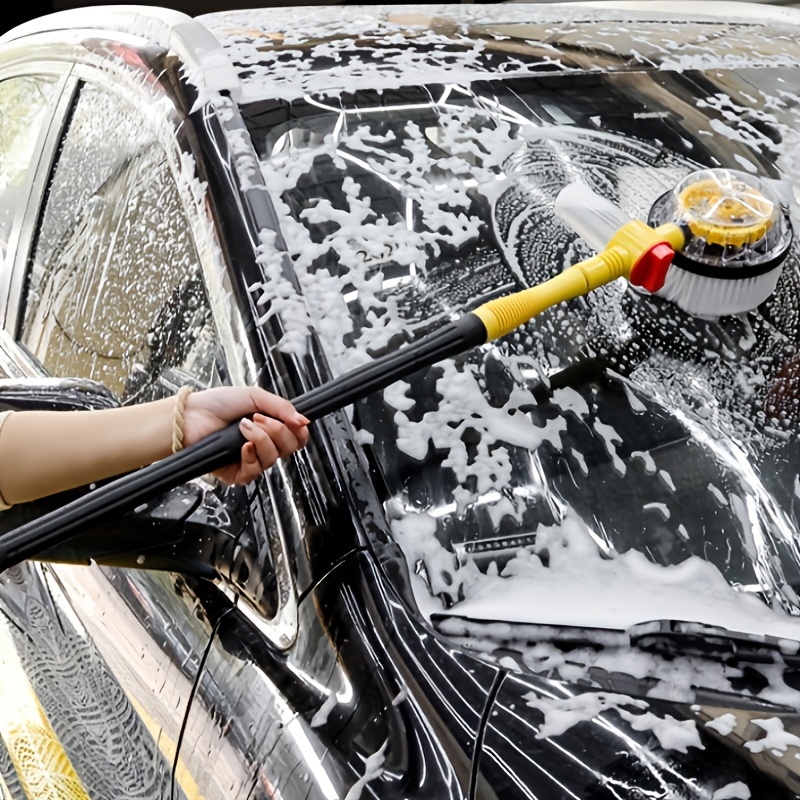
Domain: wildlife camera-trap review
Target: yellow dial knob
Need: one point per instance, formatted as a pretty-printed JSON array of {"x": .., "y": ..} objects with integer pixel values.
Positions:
[{"x": 724, "y": 210}]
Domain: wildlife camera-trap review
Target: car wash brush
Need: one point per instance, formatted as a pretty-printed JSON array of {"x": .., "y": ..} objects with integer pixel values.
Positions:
[{"x": 737, "y": 236}]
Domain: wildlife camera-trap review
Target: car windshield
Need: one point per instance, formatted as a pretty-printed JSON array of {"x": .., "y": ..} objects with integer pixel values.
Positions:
[{"x": 613, "y": 461}]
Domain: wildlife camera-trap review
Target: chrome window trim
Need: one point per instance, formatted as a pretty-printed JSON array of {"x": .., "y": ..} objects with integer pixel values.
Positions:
[
  {"x": 14, "y": 361},
  {"x": 20, "y": 239}
]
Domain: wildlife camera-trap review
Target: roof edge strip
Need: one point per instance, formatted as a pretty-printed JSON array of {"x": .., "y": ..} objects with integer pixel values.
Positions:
[
  {"x": 759, "y": 11},
  {"x": 197, "y": 46}
]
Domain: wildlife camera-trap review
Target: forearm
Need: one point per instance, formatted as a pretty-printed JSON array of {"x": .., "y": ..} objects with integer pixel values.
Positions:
[{"x": 44, "y": 452}]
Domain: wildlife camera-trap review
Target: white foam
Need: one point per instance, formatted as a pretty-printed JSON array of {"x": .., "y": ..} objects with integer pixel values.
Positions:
[
  {"x": 581, "y": 588},
  {"x": 732, "y": 791},
  {"x": 723, "y": 724},
  {"x": 777, "y": 739}
]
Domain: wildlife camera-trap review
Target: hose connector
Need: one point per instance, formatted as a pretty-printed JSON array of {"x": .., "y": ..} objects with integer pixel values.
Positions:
[
  {"x": 649, "y": 250},
  {"x": 603, "y": 226}
]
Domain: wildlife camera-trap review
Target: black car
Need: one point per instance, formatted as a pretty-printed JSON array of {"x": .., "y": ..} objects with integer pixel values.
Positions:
[{"x": 562, "y": 565}]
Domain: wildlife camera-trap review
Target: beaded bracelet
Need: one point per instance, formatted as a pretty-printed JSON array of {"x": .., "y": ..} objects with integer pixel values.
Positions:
[{"x": 177, "y": 417}]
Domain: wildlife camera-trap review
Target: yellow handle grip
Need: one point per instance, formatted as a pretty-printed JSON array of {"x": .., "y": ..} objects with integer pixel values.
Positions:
[{"x": 506, "y": 314}]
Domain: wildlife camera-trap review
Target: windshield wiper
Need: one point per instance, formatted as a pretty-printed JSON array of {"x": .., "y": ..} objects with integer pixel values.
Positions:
[
  {"x": 669, "y": 638},
  {"x": 665, "y": 637}
]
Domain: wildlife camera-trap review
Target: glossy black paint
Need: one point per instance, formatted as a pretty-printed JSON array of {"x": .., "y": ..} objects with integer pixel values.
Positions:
[
  {"x": 402, "y": 691},
  {"x": 463, "y": 728},
  {"x": 316, "y": 482},
  {"x": 607, "y": 758}
]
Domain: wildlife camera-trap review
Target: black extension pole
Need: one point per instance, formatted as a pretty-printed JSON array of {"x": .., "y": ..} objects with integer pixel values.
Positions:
[{"x": 223, "y": 447}]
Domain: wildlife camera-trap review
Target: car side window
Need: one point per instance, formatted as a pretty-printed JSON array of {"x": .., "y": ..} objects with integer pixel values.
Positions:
[
  {"x": 114, "y": 290},
  {"x": 24, "y": 104}
]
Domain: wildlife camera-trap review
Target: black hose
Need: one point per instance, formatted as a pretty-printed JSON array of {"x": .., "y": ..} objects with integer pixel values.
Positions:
[{"x": 223, "y": 447}]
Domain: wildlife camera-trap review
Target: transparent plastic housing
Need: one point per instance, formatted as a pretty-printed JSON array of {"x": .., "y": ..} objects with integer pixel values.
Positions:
[{"x": 731, "y": 219}]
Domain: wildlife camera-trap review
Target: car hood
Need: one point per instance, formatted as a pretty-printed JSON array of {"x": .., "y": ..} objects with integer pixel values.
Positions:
[
  {"x": 666, "y": 708},
  {"x": 612, "y": 744}
]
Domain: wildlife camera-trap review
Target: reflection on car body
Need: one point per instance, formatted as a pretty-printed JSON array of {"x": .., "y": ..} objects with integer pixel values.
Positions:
[{"x": 562, "y": 565}]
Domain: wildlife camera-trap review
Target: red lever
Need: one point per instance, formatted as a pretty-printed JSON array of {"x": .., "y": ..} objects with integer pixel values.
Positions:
[{"x": 650, "y": 270}]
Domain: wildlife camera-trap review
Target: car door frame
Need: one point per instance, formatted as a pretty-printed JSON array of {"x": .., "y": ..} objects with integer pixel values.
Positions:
[
  {"x": 75, "y": 63},
  {"x": 86, "y": 66},
  {"x": 83, "y": 60}
]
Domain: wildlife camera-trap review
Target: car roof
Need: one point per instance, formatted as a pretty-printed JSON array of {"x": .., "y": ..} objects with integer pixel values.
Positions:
[{"x": 224, "y": 51}]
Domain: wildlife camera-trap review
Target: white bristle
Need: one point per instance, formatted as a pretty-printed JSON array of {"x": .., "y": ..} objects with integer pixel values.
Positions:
[{"x": 701, "y": 296}]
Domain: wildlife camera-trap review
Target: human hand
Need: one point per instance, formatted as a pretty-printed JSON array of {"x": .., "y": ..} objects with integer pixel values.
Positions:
[{"x": 276, "y": 431}]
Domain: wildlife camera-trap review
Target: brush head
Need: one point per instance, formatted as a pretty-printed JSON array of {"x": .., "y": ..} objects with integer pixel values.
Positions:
[{"x": 737, "y": 238}]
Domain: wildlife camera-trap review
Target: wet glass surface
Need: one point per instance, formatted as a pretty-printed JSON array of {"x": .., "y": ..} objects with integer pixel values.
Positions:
[
  {"x": 114, "y": 291},
  {"x": 660, "y": 433}
]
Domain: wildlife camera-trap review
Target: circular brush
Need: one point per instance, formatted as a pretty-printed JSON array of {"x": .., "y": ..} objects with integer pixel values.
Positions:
[{"x": 737, "y": 236}]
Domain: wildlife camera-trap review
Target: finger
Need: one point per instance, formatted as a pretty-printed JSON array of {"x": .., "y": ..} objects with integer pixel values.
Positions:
[
  {"x": 282, "y": 437},
  {"x": 261, "y": 439},
  {"x": 250, "y": 467},
  {"x": 301, "y": 434},
  {"x": 299, "y": 430},
  {"x": 274, "y": 406}
]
